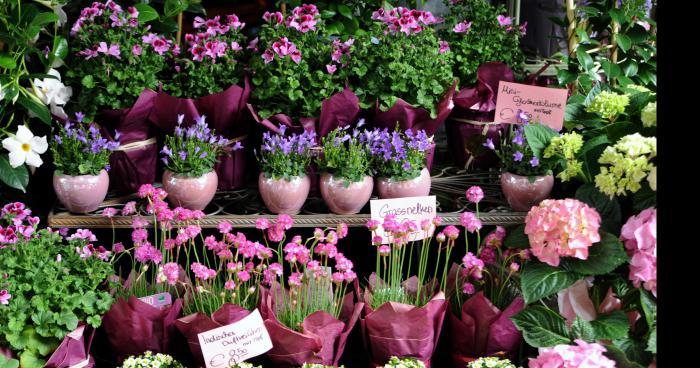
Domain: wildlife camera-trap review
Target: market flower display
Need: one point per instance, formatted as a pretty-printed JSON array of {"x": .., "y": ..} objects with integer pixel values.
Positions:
[
  {"x": 582, "y": 354},
  {"x": 626, "y": 164},
  {"x": 561, "y": 228},
  {"x": 639, "y": 236}
]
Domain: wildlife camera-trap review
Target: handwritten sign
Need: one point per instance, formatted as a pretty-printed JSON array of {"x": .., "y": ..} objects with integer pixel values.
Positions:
[
  {"x": 409, "y": 208},
  {"x": 544, "y": 105},
  {"x": 160, "y": 301},
  {"x": 231, "y": 344}
]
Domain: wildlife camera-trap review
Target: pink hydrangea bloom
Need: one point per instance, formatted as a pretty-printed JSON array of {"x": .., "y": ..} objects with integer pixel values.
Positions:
[
  {"x": 561, "y": 228},
  {"x": 639, "y": 236},
  {"x": 582, "y": 354}
]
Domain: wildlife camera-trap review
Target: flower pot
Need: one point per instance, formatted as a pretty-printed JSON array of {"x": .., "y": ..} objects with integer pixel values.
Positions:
[
  {"x": 284, "y": 196},
  {"x": 193, "y": 193},
  {"x": 522, "y": 194},
  {"x": 389, "y": 188},
  {"x": 82, "y": 193},
  {"x": 345, "y": 200}
]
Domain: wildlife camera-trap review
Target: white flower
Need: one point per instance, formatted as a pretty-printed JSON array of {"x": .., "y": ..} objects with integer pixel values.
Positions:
[
  {"x": 649, "y": 115},
  {"x": 52, "y": 92},
  {"x": 24, "y": 147}
]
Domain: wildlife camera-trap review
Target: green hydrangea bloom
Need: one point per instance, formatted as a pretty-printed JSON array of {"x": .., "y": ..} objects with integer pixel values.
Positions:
[
  {"x": 491, "y": 362},
  {"x": 638, "y": 88},
  {"x": 149, "y": 360},
  {"x": 567, "y": 146},
  {"x": 649, "y": 115},
  {"x": 609, "y": 104},
  {"x": 395, "y": 362},
  {"x": 629, "y": 164}
]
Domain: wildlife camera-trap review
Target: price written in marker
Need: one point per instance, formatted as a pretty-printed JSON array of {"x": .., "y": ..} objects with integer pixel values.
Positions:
[{"x": 231, "y": 344}]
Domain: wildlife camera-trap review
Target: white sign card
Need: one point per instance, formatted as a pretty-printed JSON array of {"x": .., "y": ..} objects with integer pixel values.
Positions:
[
  {"x": 231, "y": 344},
  {"x": 408, "y": 208}
]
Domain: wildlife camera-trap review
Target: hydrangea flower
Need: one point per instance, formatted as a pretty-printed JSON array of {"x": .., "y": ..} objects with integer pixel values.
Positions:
[
  {"x": 491, "y": 362},
  {"x": 649, "y": 114},
  {"x": 639, "y": 237},
  {"x": 582, "y": 354},
  {"x": 567, "y": 146},
  {"x": 561, "y": 228},
  {"x": 609, "y": 104},
  {"x": 629, "y": 161}
]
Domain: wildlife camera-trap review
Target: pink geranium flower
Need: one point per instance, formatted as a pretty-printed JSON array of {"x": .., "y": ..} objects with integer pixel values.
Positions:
[
  {"x": 462, "y": 27},
  {"x": 444, "y": 47},
  {"x": 503, "y": 20},
  {"x": 112, "y": 50},
  {"x": 5, "y": 297}
]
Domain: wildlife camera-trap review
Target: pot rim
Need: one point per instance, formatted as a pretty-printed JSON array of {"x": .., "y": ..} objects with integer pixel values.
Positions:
[
  {"x": 55, "y": 173},
  {"x": 181, "y": 176},
  {"x": 526, "y": 176}
]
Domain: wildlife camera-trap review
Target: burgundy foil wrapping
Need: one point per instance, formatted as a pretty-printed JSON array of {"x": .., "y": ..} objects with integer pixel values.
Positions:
[{"x": 74, "y": 349}]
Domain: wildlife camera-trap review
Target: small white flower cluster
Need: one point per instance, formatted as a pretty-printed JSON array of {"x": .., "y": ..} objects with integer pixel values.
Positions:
[
  {"x": 245, "y": 365},
  {"x": 315, "y": 365},
  {"x": 148, "y": 360},
  {"x": 395, "y": 362},
  {"x": 491, "y": 362}
]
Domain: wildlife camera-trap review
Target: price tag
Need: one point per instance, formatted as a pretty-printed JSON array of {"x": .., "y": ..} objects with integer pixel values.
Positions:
[
  {"x": 415, "y": 209},
  {"x": 540, "y": 104},
  {"x": 231, "y": 344},
  {"x": 160, "y": 300}
]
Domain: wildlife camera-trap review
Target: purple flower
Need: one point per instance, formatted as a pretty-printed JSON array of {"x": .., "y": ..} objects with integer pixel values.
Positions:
[
  {"x": 489, "y": 144},
  {"x": 79, "y": 116},
  {"x": 534, "y": 162},
  {"x": 203, "y": 154},
  {"x": 166, "y": 151},
  {"x": 517, "y": 156},
  {"x": 331, "y": 68},
  {"x": 444, "y": 47},
  {"x": 406, "y": 166},
  {"x": 522, "y": 117},
  {"x": 113, "y": 49},
  {"x": 518, "y": 139},
  {"x": 183, "y": 155},
  {"x": 462, "y": 27}
]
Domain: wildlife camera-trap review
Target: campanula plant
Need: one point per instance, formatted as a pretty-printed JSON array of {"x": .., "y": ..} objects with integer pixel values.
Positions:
[
  {"x": 397, "y": 155},
  {"x": 79, "y": 149},
  {"x": 285, "y": 157},
  {"x": 345, "y": 155}
]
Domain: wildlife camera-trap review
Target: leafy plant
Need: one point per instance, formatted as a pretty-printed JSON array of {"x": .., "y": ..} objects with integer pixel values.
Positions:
[
  {"x": 80, "y": 149},
  {"x": 399, "y": 155},
  {"x": 283, "y": 157},
  {"x": 53, "y": 283},
  {"x": 345, "y": 155}
]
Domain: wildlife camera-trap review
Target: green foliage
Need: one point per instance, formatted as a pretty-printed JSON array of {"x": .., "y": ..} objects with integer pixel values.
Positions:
[
  {"x": 345, "y": 156},
  {"x": 521, "y": 145},
  {"x": 13, "y": 177},
  {"x": 52, "y": 288},
  {"x": 485, "y": 41},
  {"x": 80, "y": 149},
  {"x": 193, "y": 151}
]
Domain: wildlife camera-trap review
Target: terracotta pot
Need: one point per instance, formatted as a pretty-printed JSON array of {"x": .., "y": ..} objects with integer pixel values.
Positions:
[
  {"x": 522, "y": 194},
  {"x": 82, "y": 193},
  {"x": 284, "y": 196},
  {"x": 344, "y": 200},
  {"x": 389, "y": 188},
  {"x": 193, "y": 193}
]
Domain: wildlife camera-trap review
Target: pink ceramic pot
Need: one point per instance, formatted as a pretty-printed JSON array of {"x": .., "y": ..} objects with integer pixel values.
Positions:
[
  {"x": 345, "y": 200},
  {"x": 193, "y": 193},
  {"x": 284, "y": 196},
  {"x": 420, "y": 186},
  {"x": 82, "y": 193},
  {"x": 522, "y": 194}
]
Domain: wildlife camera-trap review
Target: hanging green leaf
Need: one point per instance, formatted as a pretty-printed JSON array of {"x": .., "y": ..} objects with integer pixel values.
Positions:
[
  {"x": 539, "y": 280},
  {"x": 146, "y": 13},
  {"x": 541, "y": 327},
  {"x": 14, "y": 177},
  {"x": 38, "y": 108}
]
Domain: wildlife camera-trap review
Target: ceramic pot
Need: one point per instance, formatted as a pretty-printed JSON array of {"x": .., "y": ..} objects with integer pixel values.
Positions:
[
  {"x": 522, "y": 194},
  {"x": 82, "y": 193},
  {"x": 284, "y": 196},
  {"x": 193, "y": 193},
  {"x": 344, "y": 200},
  {"x": 419, "y": 186}
]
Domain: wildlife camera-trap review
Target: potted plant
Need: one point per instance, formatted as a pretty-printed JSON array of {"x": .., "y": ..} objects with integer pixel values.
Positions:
[
  {"x": 308, "y": 315},
  {"x": 283, "y": 183},
  {"x": 402, "y": 316},
  {"x": 81, "y": 156},
  {"x": 401, "y": 72},
  {"x": 114, "y": 66},
  {"x": 526, "y": 178},
  {"x": 189, "y": 156},
  {"x": 299, "y": 75},
  {"x": 207, "y": 79},
  {"x": 150, "y": 360},
  {"x": 55, "y": 287},
  {"x": 345, "y": 164},
  {"x": 399, "y": 160}
]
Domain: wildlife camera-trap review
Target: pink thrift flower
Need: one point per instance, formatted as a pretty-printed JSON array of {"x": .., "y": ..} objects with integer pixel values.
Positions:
[
  {"x": 488, "y": 255},
  {"x": 372, "y": 224},
  {"x": 129, "y": 208},
  {"x": 337, "y": 277},
  {"x": 468, "y": 288},
  {"x": 475, "y": 194},
  {"x": 473, "y": 266},
  {"x": 462, "y": 27},
  {"x": 171, "y": 271},
  {"x": 384, "y": 250},
  {"x": 561, "y": 228},
  {"x": 440, "y": 237},
  {"x": 229, "y": 285},
  {"x": 295, "y": 279},
  {"x": 243, "y": 276},
  {"x": 470, "y": 221},
  {"x": 262, "y": 223},
  {"x": 451, "y": 232},
  {"x": 224, "y": 227},
  {"x": 109, "y": 212},
  {"x": 285, "y": 220},
  {"x": 118, "y": 247}
]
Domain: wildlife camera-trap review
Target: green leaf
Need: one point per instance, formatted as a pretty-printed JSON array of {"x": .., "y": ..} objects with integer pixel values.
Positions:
[
  {"x": 591, "y": 94},
  {"x": 624, "y": 42},
  {"x": 643, "y": 198},
  {"x": 69, "y": 319},
  {"x": 14, "y": 177},
  {"x": 44, "y": 18},
  {"x": 196, "y": 8},
  {"x": 648, "y": 306},
  {"x": 146, "y": 13},
  {"x": 631, "y": 68},
  {"x": 541, "y": 327},
  {"x": 617, "y": 15},
  {"x": 8, "y": 363},
  {"x": 7, "y": 62},
  {"x": 516, "y": 238},
  {"x": 612, "y": 326},
  {"x": 603, "y": 257},
  {"x": 573, "y": 111},
  {"x": 637, "y": 102},
  {"x": 539, "y": 280},
  {"x": 325, "y": 14},
  {"x": 345, "y": 11},
  {"x": 611, "y": 69},
  {"x": 60, "y": 48},
  {"x": 651, "y": 344},
  {"x": 585, "y": 60},
  {"x": 88, "y": 81},
  {"x": 608, "y": 209},
  {"x": 174, "y": 7},
  {"x": 30, "y": 360},
  {"x": 38, "y": 108},
  {"x": 621, "y": 360},
  {"x": 538, "y": 137},
  {"x": 583, "y": 330},
  {"x": 565, "y": 77}
]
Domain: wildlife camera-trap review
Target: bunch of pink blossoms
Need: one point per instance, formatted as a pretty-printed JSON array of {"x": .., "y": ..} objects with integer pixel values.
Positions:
[
  {"x": 582, "y": 354},
  {"x": 561, "y": 228},
  {"x": 408, "y": 21},
  {"x": 15, "y": 214},
  {"x": 639, "y": 236},
  {"x": 303, "y": 18},
  {"x": 215, "y": 39}
]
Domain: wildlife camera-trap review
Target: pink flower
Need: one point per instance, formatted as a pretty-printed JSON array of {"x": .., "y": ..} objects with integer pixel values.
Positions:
[
  {"x": 295, "y": 279},
  {"x": 475, "y": 194},
  {"x": 488, "y": 255},
  {"x": 202, "y": 272},
  {"x": 384, "y": 250},
  {"x": 440, "y": 237},
  {"x": 462, "y": 27},
  {"x": 582, "y": 354},
  {"x": 639, "y": 237},
  {"x": 275, "y": 18},
  {"x": 253, "y": 45},
  {"x": 303, "y": 18},
  {"x": 451, "y": 232},
  {"x": 331, "y": 68},
  {"x": 233, "y": 21},
  {"x": 444, "y": 47},
  {"x": 147, "y": 252},
  {"x": 137, "y": 50},
  {"x": 514, "y": 267},
  {"x": 503, "y": 20},
  {"x": 109, "y": 212},
  {"x": 224, "y": 227},
  {"x": 372, "y": 224},
  {"x": 262, "y": 223},
  {"x": 337, "y": 277},
  {"x": 268, "y": 56},
  {"x": 468, "y": 288},
  {"x": 470, "y": 221},
  {"x": 171, "y": 271},
  {"x": 139, "y": 235},
  {"x": 112, "y": 50},
  {"x": 118, "y": 247},
  {"x": 285, "y": 220},
  {"x": 473, "y": 266},
  {"x": 84, "y": 234},
  {"x": 243, "y": 276},
  {"x": 275, "y": 233},
  {"x": 523, "y": 29},
  {"x": 561, "y": 228},
  {"x": 5, "y": 297},
  {"x": 342, "y": 230},
  {"x": 139, "y": 223},
  {"x": 229, "y": 285}
]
